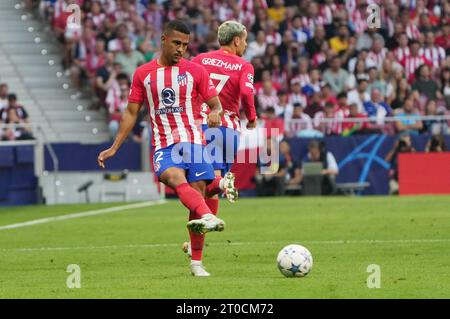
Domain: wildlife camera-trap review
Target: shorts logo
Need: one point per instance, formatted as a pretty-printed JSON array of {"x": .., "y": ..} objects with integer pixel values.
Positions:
[
  {"x": 157, "y": 166},
  {"x": 250, "y": 77},
  {"x": 182, "y": 79},
  {"x": 168, "y": 97}
]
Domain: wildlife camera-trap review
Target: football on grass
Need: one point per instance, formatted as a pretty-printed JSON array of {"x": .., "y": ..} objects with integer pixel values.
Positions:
[{"x": 294, "y": 261}]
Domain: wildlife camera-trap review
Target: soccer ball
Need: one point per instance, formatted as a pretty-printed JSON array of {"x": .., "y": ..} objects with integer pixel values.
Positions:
[{"x": 294, "y": 261}]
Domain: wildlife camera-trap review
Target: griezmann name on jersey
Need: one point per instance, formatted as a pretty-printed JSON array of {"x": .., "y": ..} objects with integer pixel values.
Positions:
[
  {"x": 174, "y": 95},
  {"x": 233, "y": 78}
]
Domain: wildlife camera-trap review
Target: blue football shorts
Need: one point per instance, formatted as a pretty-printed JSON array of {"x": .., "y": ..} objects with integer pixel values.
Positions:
[
  {"x": 222, "y": 146},
  {"x": 188, "y": 156}
]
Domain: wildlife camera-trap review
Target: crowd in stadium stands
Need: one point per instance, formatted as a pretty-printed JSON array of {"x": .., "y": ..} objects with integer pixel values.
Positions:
[
  {"x": 313, "y": 60},
  {"x": 11, "y": 112}
]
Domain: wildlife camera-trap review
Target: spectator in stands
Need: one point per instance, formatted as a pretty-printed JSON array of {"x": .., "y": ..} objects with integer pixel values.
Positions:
[
  {"x": 434, "y": 126},
  {"x": 283, "y": 108},
  {"x": 318, "y": 153},
  {"x": 314, "y": 84},
  {"x": 436, "y": 144},
  {"x": 296, "y": 95},
  {"x": 402, "y": 145},
  {"x": 402, "y": 93},
  {"x": 336, "y": 76},
  {"x": 431, "y": 51},
  {"x": 359, "y": 72},
  {"x": 3, "y": 95},
  {"x": 327, "y": 121},
  {"x": 20, "y": 111},
  {"x": 116, "y": 101},
  {"x": 106, "y": 77},
  {"x": 352, "y": 128},
  {"x": 268, "y": 96},
  {"x": 314, "y": 105},
  {"x": 340, "y": 42},
  {"x": 376, "y": 108},
  {"x": 445, "y": 85},
  {"x": 256, "y": 47},
  {"x": 359, "y": 95},
  {"x": 376, "y": 83},
  {"x": 314, "y": 45},
  {"x": 20, "y": 131},
  {"x": 409, "y": 122},
  {"x": 298, "y": 122},
  {"x": 412, "y": 62},
  {"x": 129, "y": 59},
  {"x": 425, "y": 85}
]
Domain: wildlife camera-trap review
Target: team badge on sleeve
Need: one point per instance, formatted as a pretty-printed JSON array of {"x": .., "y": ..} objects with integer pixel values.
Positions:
[{"x": 250, "y": 77}]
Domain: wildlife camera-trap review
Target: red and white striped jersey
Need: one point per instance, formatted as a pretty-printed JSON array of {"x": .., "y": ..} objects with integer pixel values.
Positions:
[
  {"x": 401, "y": 53},
  {"x": 412, "y": 63},
  {"x": 377, "y": 58},
  {"x": 412, "y": 31},
  {"x": 435, "y": 54},
  {"x": 233, "y": 77},
  {"x": 174, "y": 95}
]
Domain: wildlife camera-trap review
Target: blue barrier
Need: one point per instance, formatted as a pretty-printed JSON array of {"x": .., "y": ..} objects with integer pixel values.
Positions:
[
  {"x": 361, "y": 158},
  {"x": 83, "y": 157}
]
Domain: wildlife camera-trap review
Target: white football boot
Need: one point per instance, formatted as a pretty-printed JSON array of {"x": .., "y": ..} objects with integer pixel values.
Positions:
[
  {"x": 231, "y": 192},
  {"x": 206, "y": 224},
  {"x": 198, "y": 270}
]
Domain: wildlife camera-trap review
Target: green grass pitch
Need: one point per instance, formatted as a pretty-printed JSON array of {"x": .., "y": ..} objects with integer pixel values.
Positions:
[{"x": 137, "y": 253}]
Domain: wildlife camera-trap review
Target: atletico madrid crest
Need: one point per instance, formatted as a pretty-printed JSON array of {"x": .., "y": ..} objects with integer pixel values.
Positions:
[{"x": 182, "y": 79}]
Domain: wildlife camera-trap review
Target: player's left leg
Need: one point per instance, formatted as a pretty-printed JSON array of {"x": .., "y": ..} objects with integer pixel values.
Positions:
[{"x": 225, "y": 142}]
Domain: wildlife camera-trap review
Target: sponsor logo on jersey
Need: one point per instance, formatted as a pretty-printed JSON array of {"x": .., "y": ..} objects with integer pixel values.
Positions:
[
  {"x": 168, "y": 97},
  {"x": 169, "y": 110}
]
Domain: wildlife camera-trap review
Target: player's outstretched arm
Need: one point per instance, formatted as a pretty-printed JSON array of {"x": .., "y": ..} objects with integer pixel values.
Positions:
[
  {"x": 126, "y": 125},
  {"x": 214, "y": 117}
]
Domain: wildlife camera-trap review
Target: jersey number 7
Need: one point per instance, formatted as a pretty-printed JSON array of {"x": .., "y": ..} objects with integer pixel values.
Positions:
[{"x": 222, "y": 80}]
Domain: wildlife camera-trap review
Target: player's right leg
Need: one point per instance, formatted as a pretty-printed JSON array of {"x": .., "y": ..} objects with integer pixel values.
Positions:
[{"x": 172, "y": 172}]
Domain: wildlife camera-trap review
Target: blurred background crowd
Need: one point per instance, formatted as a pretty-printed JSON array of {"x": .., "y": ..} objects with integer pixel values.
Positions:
[{"x": 316, "y": 62}]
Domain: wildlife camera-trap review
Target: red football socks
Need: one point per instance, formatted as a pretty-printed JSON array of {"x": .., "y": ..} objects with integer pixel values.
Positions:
[
  {"x": 213, "y": 188},
  {"x": 213, "y": 204},
  {"x": 197, "y": 241},
  {"x": 192, "y": 199}
]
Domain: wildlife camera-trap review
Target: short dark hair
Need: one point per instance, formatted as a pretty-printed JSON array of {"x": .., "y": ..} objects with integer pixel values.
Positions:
[
  {"x": 177, "y": 25},
  {"x": 12, "y": 97},
  {"x": 342, "y": 95}
]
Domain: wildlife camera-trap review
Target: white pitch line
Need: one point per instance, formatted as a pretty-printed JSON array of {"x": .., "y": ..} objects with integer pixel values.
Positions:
[
  {"x": 313, "y": 242},
  {"x": 82, "y": 214}
]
